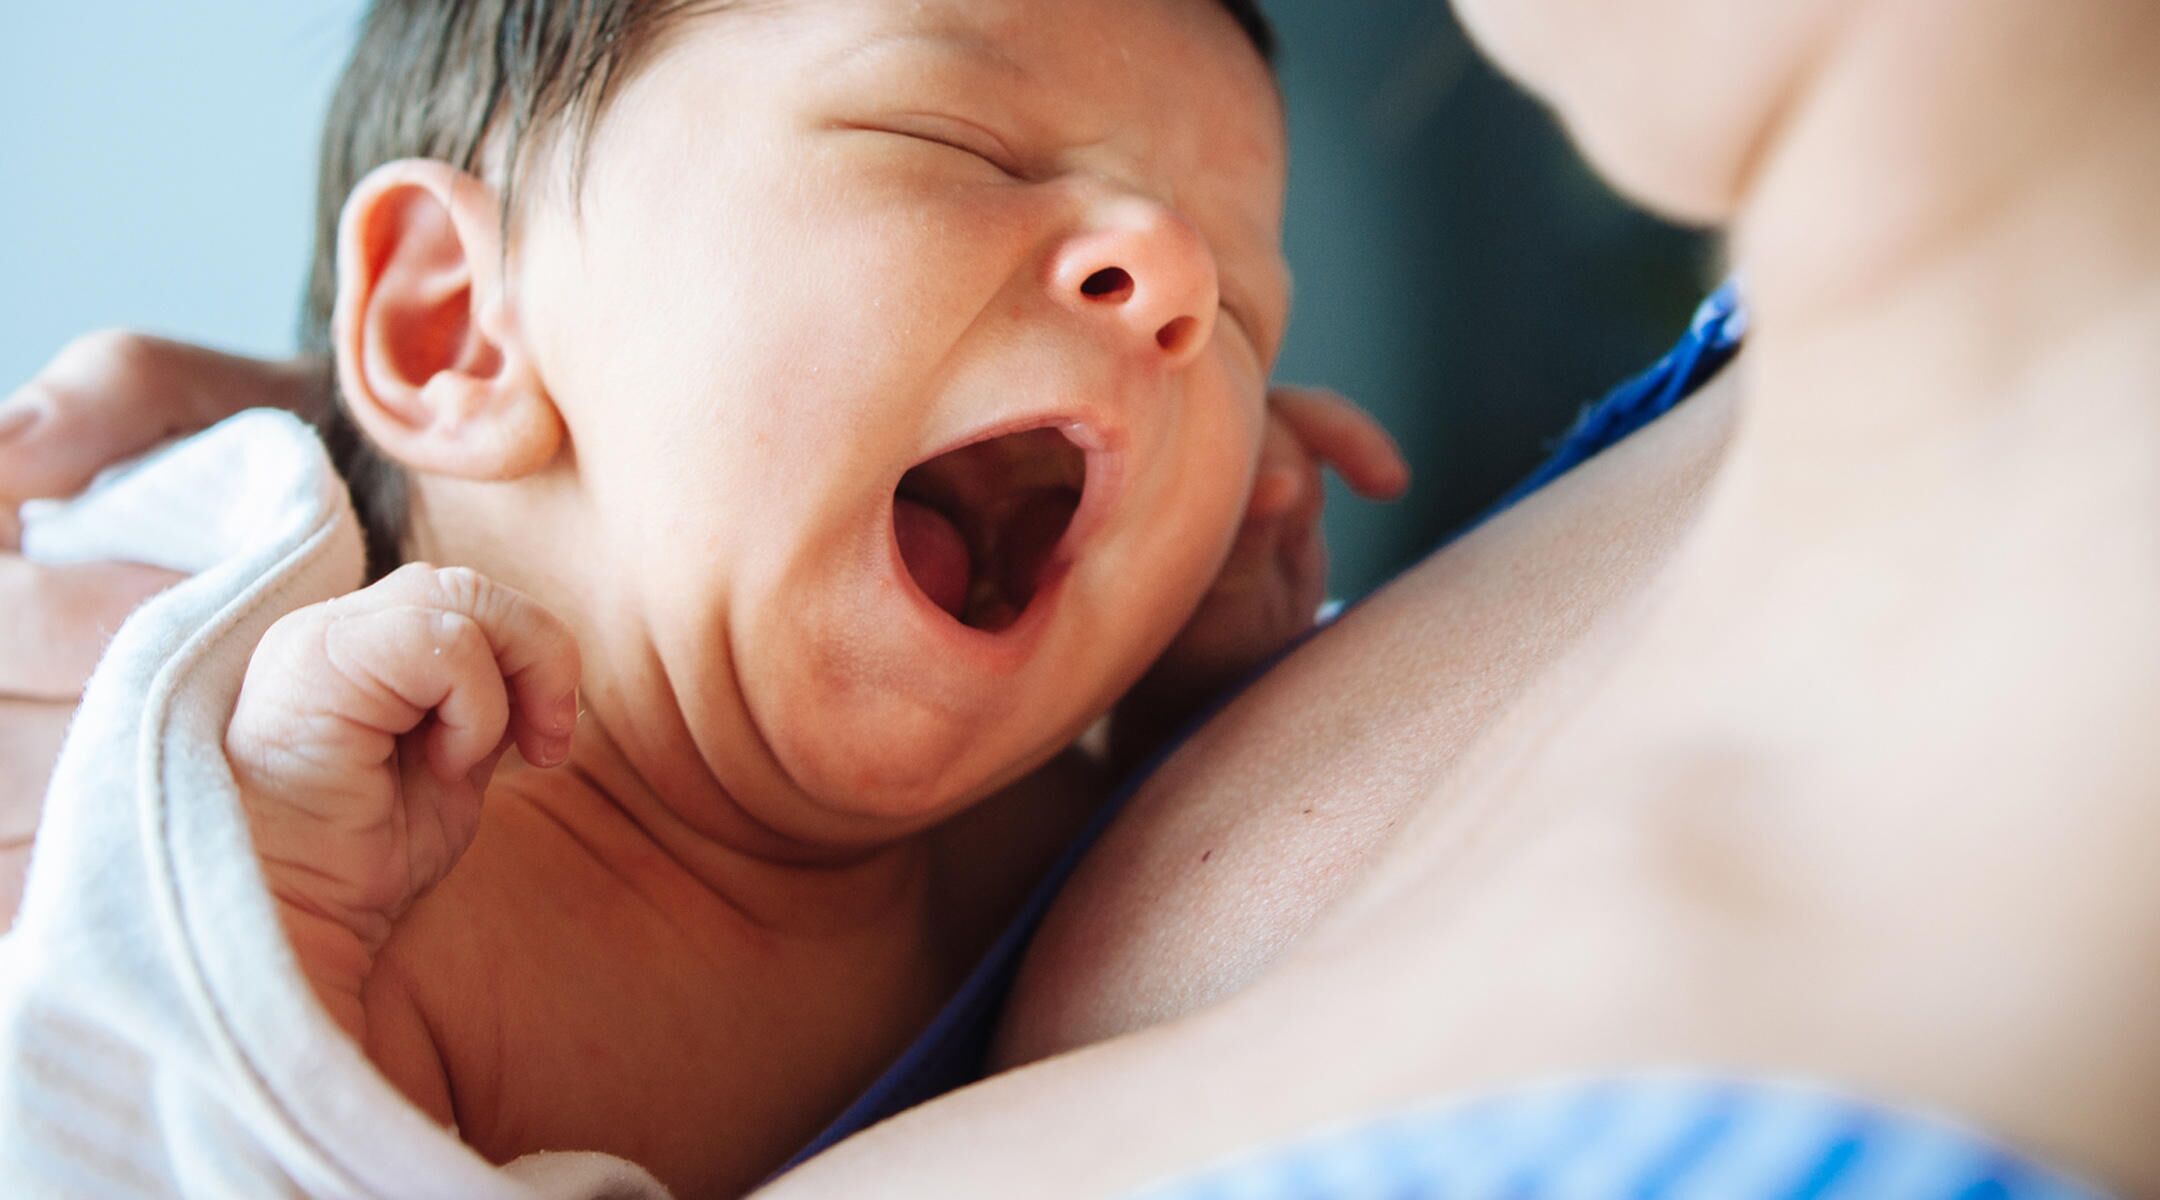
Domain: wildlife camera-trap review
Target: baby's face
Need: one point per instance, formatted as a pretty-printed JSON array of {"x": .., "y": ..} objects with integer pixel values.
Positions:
[{"x": 913, "y": 358}]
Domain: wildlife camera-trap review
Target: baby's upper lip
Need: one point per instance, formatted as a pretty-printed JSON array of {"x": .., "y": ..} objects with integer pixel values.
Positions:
[
  {"x": 1092, "y": 428},
  {"x": 1089, "y": 427}
]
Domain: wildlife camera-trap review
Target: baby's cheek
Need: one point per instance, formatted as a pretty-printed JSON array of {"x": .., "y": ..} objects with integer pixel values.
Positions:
[{"x": 1213, "y": 507}]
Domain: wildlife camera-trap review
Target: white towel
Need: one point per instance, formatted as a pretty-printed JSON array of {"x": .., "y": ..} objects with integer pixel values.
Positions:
[{"x": 156, "y": 1036}]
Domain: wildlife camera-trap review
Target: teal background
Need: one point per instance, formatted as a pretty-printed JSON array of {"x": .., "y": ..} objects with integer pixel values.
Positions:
[{"x": 1458, "y": 271}]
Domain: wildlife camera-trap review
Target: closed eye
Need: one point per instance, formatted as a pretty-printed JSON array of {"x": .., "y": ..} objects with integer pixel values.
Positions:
[{"x": 952, "y": 134}]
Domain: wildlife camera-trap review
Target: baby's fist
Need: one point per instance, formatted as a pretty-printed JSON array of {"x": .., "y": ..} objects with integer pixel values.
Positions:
[{"x": 366, "y": 732}]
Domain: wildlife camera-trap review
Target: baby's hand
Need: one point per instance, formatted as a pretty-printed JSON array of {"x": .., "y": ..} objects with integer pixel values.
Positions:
[
  {"x": 1276, "y": 578},
  {"x": 366, "y": 732}
]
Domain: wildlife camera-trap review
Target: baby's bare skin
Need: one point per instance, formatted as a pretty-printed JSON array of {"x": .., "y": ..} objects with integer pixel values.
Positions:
[
  {"x": 365, "y": 736},
  {"x": 570, "y": 975},
  {"x": 571, "y": 969},
  {"x": 588, "y": 952}
]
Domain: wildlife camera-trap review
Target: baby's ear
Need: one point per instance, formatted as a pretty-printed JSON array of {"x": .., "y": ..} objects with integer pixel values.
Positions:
[{"x": 429, "y": 354}]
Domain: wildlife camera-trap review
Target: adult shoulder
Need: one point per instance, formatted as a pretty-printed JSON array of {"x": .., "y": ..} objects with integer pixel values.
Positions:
[{"x": 1228, "y": 853}]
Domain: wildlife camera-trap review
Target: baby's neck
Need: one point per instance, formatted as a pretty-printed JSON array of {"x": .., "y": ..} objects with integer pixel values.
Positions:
[
  {"x": 1952, "y": 254},
  {"x": 624, "y": 820},
  {"x": 690, "y": 791}
]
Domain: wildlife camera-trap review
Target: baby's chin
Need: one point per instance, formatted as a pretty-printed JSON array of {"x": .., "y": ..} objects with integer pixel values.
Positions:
[
  {"x": 897, "y": 755},
  {"x": 905, "y": 789},
  {"x": 935, "y": 641},
  {"x": 877, "y": 704},
  {"x": 878, "y": 730}
]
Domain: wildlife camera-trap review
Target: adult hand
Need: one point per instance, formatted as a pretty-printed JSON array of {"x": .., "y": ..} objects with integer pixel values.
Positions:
[
  {"x": 1271, "y": 588},
  {"x": 103, "y": 398},
  {"x": 110, "y": 395}
]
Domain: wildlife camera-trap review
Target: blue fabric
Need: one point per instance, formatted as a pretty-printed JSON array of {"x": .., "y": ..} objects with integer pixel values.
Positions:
[
  {"x": 1636, "y": 1138},
  {"x": 1712, "y": 339},
  {"x": 952, "y": 1051}
]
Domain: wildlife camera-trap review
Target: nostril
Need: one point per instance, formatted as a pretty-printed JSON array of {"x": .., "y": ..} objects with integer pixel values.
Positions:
[
  {"x": 1110, "y": 283},
  {"x": 1177, "y": 335}
]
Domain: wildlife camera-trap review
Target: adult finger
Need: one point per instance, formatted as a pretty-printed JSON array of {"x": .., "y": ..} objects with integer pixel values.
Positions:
[
  {"x": 110, "y": 395},
  {"x": 59, "y": 619},
  {"x": 1346, "y": 438}
]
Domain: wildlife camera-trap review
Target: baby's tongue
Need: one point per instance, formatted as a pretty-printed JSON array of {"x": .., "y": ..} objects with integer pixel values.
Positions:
[{"x": 935, "y": 553}]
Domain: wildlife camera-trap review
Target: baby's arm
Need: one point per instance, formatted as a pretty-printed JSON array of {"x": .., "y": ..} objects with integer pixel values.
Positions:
[{"x": 364, "y": 738}]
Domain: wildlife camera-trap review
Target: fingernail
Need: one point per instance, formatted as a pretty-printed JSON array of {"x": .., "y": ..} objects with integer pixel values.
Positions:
[
  {"x": 16, "y": 419},
  {"x": 554, "y": 751}
]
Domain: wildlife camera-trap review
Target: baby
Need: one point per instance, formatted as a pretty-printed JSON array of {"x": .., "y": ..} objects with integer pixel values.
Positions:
[{"x": 845, "y": 403}]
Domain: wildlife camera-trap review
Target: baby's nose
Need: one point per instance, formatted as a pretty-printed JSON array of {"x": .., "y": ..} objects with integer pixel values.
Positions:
[{"x": 1148, "y": 273}]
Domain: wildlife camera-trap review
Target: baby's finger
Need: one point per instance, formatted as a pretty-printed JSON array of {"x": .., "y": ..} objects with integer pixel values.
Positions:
[
  {"x": 59, "y": 619},
  {"x": 1286, "y": 479},
  {"x": 400, "y": 665},
  {"x": 1303, "y": 562},
  {"x": 1346, "y": 438},
  {"x": 108, "y": 396},
  {"x": 536, "y": 655}
]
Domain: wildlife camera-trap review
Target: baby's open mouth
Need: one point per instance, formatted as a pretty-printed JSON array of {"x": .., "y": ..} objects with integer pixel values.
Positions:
[{"x": 978, "y": 526}]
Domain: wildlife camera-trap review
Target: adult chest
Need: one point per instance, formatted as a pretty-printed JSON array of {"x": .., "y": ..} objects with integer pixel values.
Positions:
[
  {"x": 1880, "y": 817},
  {"x": 1227, "y": 855}
]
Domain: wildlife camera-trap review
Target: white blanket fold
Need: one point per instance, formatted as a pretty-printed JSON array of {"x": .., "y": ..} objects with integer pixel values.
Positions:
[{"x": 156, "y": 1036}]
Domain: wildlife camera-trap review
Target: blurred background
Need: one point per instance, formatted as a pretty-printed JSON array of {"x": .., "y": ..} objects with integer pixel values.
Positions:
[{"x": 1459, "y": 272}]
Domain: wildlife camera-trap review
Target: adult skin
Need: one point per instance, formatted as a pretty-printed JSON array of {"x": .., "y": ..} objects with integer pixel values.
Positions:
[{"x": 1826, "y": 761}]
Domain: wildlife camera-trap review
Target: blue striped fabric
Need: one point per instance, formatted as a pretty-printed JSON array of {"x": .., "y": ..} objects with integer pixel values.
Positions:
[{"x": 1638, "y": 1138}]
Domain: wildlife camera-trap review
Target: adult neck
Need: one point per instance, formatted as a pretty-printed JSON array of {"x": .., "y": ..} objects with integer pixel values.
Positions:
[{"x": 1952, "y": 232}]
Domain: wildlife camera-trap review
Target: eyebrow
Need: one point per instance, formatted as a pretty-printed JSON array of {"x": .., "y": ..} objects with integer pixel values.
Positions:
[{"x": 963, "y": 43}]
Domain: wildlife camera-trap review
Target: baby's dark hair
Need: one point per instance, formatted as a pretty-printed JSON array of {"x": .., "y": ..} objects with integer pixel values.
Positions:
[{"x": 478, "y": 84}]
